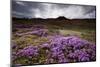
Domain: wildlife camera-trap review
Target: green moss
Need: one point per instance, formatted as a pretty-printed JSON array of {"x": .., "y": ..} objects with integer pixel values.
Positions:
[
  {"x": 21, "y": 60},
  {"x": 40, "y": 40}
]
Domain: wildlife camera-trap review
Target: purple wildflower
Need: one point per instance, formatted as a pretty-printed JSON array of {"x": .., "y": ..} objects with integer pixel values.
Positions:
[
  {"x": 40, "y": 32},
  {"x": 28, "y": 51},
  {"x": 62, "y": 49}
]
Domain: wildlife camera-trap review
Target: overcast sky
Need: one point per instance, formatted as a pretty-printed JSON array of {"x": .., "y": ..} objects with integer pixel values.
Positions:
[{"x": 51, "y": 10}]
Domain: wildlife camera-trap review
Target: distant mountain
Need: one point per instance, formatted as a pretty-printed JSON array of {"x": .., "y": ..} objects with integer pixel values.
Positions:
[
  {"x": 62, "y": 18},
  {"x": 58, "y": 18}
]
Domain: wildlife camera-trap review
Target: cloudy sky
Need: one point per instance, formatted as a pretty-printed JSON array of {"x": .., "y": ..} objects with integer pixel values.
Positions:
[{"x": 51, "y": 10}]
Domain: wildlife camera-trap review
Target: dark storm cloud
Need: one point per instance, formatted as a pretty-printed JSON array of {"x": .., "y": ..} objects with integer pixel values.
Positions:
[
  {"x": 48, "y": 10},
  {"x": 24, "y": 9}
]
